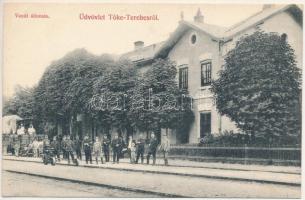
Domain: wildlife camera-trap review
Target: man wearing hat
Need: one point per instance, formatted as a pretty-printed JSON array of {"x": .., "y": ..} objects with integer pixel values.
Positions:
[
  {"x": 106, "y": 147},
  {"x": 140, "y": 149},
  {"x": 87, "y": 146},
  {"x": 116, "y": 148},
  {"x": 152, "y": 148}
]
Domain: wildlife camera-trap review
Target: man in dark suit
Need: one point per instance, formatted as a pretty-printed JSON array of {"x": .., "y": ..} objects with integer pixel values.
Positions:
[
  {"x": 116, "y": 148},
  {"x": 140, "y": 149},
  {"x": 78, "y": 147},
  {"x": 106, "y": 147},
  {"x": 87, "y": 146},
  {"x": 152, "y": 148}
]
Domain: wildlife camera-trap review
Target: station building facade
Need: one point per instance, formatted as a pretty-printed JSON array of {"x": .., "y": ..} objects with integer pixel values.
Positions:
[{"x": 198, "y": 49}]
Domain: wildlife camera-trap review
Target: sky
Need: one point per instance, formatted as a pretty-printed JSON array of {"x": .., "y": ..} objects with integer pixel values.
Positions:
[{"x": 31, "y": 44}]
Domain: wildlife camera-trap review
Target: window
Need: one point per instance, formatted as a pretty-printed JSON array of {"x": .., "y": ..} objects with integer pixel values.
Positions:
[
  {"x": 183, "y": 77},
  {"x": 193, "y": 39},
  {"x": 206, "y": 73},
  {"x": 205, "y": 124}
]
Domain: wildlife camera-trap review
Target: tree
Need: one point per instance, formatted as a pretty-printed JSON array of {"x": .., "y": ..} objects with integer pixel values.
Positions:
[
  {"x": 159, "y": 103},
  {"x": 67, "y": 86},
  {"x": 113, "y": 92},
  {"x": 259, "y": 87},
  {"x": 8, "y": 108},
  {"x": 126, "y": 100},
  {"x": 21, "y": 103},
  {"x": 85, "y": 74}
]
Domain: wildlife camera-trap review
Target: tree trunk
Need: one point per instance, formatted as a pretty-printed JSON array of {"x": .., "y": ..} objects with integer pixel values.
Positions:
[
  {"x": 71, "y": 126},
  {"x": 129, "y": 130},
  {"x": 92, "y": 130}
]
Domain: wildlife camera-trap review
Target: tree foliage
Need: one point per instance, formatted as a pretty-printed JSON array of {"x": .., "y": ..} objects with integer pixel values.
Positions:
[
  {"x": 259, "y": 87},
  {"x": 21, "y": 103},
  {"x": 159, "y": 103},
  {"x": 112, "y": 92},
  {"x": 127, "y": 100},
  {"x": 66, "y": 86}
]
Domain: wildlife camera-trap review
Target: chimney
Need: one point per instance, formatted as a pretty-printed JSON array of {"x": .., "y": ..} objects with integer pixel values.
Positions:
[
  {"x": 181, "y": 15},
  {"x": 267, "y": 6},
  {"x": 138, "y": 45},
  {"x": 199, "y": 17}
]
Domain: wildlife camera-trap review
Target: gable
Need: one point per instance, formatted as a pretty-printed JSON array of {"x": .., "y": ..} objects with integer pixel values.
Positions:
[
  {"x": 216, "y": 33},
  {"x": 262, "y": 16},
  {"x": 210, "y": 31},
  {"x": 193, "y": 43}
]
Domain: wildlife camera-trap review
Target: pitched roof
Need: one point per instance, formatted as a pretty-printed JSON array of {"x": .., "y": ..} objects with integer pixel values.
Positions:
[
  {"x": 257, "y": 19},
  {"x": 143, "y": 54},
  {"x": 212, "y": 30},
  {"x": 218, "y": 32},
  {"x": 215, "y": 32}
]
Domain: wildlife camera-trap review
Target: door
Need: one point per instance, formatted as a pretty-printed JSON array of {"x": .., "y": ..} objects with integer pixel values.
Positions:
[{"x": 205, "y": 124}]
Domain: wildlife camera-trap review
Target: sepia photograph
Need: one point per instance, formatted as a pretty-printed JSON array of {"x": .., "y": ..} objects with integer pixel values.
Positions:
[{"x": 152, "y": 100}]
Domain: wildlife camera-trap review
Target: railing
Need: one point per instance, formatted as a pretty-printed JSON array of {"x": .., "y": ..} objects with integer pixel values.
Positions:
[{"x": 270, "y": 154}]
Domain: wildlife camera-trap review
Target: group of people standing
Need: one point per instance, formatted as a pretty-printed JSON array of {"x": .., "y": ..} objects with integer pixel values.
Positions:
[
  {"x": 19, "y": 141},
  {"x": 100, "y": 149}
]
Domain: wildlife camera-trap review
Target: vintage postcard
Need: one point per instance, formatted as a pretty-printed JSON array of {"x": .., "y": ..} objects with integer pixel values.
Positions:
[{"x": 138, "y": 99}]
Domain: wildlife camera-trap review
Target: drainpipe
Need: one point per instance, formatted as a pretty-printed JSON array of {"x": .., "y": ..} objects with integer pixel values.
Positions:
[{"x": 220, "y": 44}]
